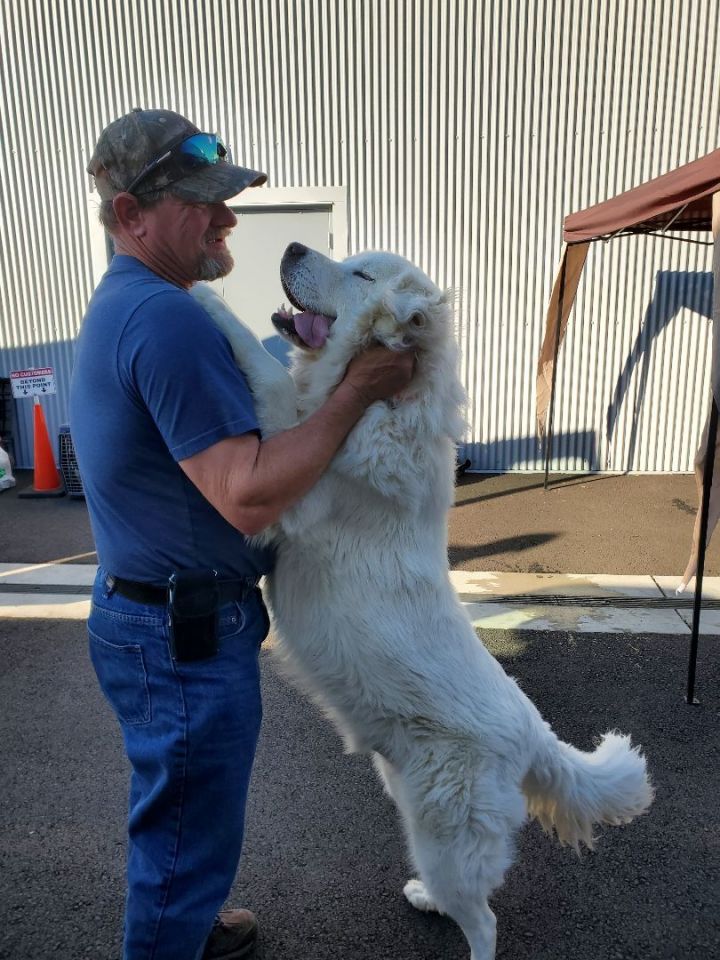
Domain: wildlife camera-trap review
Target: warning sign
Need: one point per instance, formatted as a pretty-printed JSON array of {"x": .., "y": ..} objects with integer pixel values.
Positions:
[{"x": 32, "y": 383}]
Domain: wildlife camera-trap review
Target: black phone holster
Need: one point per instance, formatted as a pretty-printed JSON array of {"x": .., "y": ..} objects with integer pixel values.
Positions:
[{"x": 194, "y": 608}]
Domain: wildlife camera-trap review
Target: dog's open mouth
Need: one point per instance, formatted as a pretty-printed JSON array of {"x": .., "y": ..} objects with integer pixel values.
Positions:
[{"x": 305, "y": 329}]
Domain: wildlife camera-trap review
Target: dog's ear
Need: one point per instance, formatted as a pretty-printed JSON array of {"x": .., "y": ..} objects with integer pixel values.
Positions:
[
  {"x": 395, "y": 315},
  {"x": 427, "y": 308}
]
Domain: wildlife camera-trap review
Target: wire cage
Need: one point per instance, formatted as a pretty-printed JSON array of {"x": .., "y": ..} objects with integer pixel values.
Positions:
[{"x": 68, "y": 463}]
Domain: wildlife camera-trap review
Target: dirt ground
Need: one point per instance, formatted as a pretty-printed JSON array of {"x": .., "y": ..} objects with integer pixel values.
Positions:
[{"x": 581, "y": 524}]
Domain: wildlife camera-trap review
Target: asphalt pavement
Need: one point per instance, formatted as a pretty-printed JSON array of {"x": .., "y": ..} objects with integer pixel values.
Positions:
[{"x": 324, "y": 860}]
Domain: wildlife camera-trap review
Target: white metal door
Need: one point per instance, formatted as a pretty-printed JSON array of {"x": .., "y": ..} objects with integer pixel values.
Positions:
[{"x": 257, "y": 243}]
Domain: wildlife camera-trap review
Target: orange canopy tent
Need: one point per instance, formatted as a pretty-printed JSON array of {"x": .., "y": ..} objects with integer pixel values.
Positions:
[{"x": 684, "y": 200}]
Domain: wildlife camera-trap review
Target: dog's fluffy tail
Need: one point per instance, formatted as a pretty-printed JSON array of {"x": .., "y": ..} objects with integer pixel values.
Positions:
[{"x": 569, "y": 791}]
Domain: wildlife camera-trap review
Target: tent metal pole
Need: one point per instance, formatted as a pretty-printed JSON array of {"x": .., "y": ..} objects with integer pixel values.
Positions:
[
  {"x": 551, "y": 411},
  {"x": 702, "y": 545}
]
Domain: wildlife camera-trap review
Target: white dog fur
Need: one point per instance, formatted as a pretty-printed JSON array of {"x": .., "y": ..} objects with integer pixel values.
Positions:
[{"x": 365, "y": 613}]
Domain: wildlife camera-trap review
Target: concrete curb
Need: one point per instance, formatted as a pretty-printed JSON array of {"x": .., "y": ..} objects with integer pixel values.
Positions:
[{"x": 579, "y": 603}]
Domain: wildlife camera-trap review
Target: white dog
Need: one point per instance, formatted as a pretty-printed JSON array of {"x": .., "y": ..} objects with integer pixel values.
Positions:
[{"x": 365, "y": 612}]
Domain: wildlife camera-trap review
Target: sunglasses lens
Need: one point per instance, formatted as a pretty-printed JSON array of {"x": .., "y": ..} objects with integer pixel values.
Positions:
[
  {"x": 197, "y": 151},
  {"x": 202, "y": 149}
]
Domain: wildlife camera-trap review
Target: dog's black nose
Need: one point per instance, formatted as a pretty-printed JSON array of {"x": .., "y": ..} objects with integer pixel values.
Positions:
[{"x": 296, "y": 250}]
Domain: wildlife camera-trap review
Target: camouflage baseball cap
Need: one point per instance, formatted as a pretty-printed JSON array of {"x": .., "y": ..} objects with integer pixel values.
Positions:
[{"x": 127, "y": 146}]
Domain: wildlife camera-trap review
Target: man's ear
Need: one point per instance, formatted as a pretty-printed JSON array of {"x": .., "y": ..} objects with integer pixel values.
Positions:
[{"x": 129, "y": 214}]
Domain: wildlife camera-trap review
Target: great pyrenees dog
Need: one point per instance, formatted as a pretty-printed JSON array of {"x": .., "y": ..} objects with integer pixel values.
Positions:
[{"x": 365, "y": 613}]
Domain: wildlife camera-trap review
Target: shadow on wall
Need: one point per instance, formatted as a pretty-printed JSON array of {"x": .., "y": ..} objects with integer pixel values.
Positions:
[
  {"x": 674, "y": 291},
  {"x": 527, "y": 452}
]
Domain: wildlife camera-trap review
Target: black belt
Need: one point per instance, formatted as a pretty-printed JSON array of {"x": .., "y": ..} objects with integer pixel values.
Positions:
[{"x": 229, "y": 591}]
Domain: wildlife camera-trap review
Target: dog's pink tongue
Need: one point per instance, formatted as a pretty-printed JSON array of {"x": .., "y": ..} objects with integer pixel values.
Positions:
[{"x": 313, "y": 328}]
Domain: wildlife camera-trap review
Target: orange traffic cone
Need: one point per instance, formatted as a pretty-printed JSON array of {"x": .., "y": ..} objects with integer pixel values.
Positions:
[{"x": 46, "y": 479}]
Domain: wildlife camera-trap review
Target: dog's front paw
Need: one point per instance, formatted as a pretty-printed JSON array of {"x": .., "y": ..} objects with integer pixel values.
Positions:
[{"x": 417, "y": 894}]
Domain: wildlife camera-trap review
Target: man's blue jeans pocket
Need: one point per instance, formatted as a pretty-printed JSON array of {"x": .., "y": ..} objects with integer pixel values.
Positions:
[{"x": 120, "y": 669}]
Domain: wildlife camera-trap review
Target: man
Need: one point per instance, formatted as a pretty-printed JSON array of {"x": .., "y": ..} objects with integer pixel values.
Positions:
[{"x": 176, "y": 477}]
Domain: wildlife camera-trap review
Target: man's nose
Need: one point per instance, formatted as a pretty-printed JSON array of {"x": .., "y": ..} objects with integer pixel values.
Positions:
[{"x": 224, "y": 216}]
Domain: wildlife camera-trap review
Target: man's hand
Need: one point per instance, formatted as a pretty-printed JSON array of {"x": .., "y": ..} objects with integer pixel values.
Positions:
[{"x": 379, "y": 373}]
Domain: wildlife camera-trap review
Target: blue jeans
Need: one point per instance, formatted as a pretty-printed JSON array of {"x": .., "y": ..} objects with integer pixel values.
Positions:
[{"x": 190, "y": 732}]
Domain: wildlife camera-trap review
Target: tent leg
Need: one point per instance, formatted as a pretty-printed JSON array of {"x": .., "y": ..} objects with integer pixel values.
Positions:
[
  {"x": 551, "y": 411},
  {"x": 702, "y": 545}
]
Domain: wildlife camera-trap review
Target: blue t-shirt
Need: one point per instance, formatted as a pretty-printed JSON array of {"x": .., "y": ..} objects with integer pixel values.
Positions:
[{"x": 154, "y": 382}]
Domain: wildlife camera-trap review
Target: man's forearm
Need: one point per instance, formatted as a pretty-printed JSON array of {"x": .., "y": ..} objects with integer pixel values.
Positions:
[{"x": 289, "y": 464}]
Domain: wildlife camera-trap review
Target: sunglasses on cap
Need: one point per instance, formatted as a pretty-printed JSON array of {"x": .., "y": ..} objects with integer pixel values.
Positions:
[{"x": 191, "y": 154}]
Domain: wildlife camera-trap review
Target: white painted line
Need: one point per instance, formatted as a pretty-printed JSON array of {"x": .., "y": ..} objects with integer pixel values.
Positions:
[
  {"x": 598, "y": 586},
  {"x": 575, "y": 619},
  {"x": 55, "y": 574},
  {"x": 43, "y": 606}
]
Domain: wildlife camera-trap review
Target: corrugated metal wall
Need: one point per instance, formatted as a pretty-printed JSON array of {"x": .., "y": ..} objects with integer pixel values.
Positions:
[{"x": 462, "y": 131}]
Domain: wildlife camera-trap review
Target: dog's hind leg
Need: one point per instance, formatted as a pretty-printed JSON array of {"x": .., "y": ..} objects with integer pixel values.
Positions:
[
  {"x": 460, "y": 874},
  {"x": 462, "y": 841},
  {"x": 415, "y": 890},
  {"x": 478, "y": 923}
]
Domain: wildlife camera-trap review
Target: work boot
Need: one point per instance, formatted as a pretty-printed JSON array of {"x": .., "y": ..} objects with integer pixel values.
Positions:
[{"x": 233, "y": 936}]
